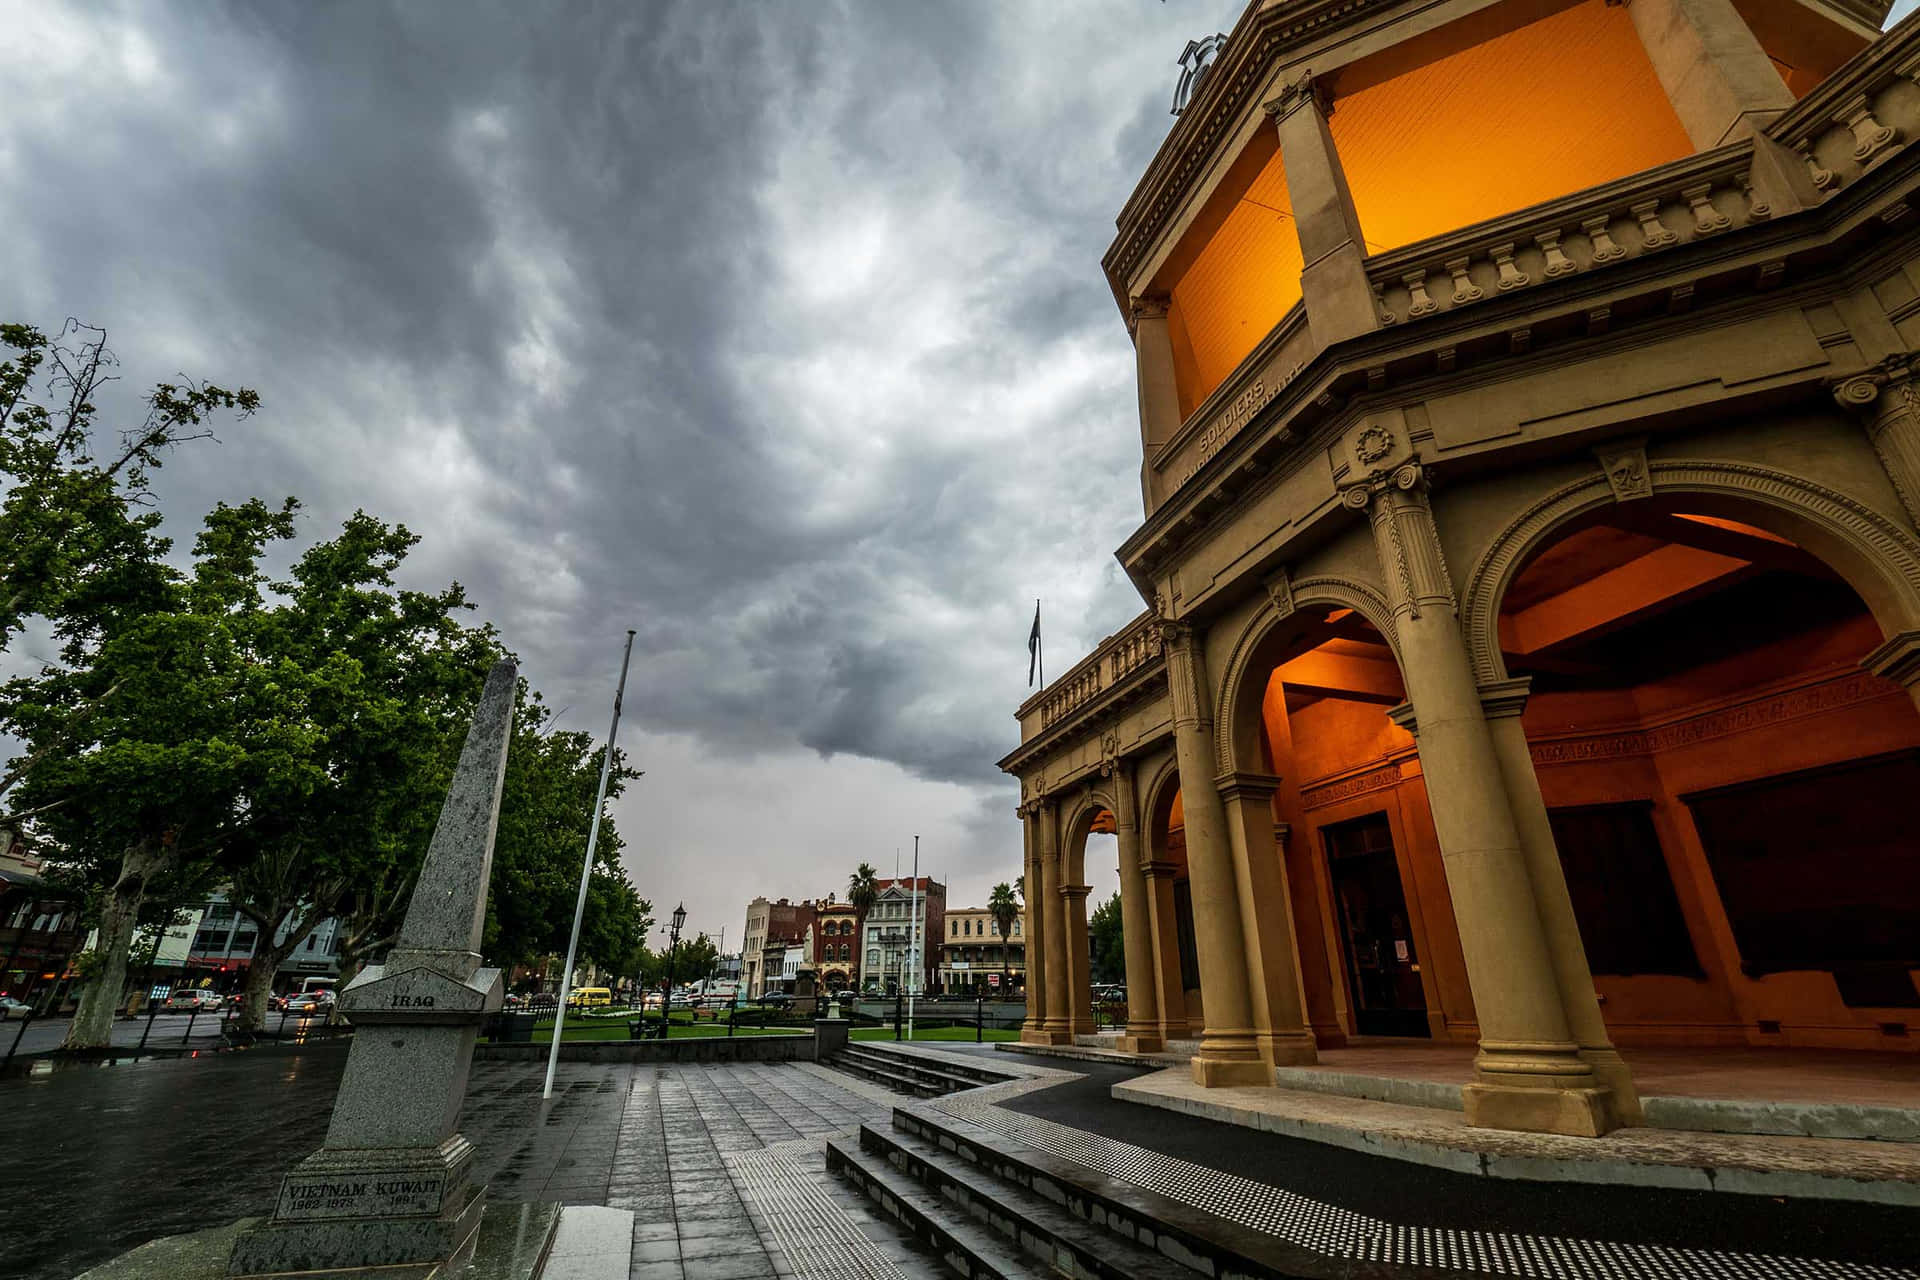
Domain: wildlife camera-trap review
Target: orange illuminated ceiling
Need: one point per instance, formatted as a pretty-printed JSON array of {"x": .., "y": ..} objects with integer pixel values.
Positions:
[
  {"x": 1566, "y": 102},
  {"x": 1237, "y": 288}
]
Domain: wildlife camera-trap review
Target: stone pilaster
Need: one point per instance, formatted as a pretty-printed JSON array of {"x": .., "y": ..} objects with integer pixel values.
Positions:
[
  {"x": 1503, "y": 704},
  {"x": 1228, "y": 1054},
  {"x": 1898, "y": 660},
  {"x": 1273, "y": 959},
  {"x": 1720, "y": 81},
  {"x": 1059, "y": 1019},
  {"x": 1158, "y": 392},
  {"x": 1168, "y": 987},
  {"x": 1333, "y": 281},
  {"x": 1073, "y": 911},
  {"x": 1889, "y": 407},
  {"x": 1136, "y": 929},
  {"x": 1034, "y": 1029},
  {"x": 1529, "y": 1073}
]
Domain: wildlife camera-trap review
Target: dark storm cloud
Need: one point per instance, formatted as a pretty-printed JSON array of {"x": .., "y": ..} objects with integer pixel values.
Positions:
[{"x": 774, "y": 331}]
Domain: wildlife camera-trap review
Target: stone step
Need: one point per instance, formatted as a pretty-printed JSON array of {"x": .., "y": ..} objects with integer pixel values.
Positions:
[
  {"x": 948, "y": 1065},
  {"x": 898, "y": 1081},
  {"x": 1205, "y": 1243},
  {"x": 968, "y": 1249},
  {"x": 1042, "y": 1229},
  {"x": 915, "y": 1068}
]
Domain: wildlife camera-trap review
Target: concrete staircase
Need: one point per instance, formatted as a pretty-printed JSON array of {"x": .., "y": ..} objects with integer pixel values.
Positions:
[
  {"x": 992, "y": 1209},
  {"x": 911, "y": 1073}
]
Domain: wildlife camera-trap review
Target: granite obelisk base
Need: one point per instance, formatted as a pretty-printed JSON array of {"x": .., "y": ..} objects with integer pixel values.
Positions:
[{"x": 393, "y": 1184}]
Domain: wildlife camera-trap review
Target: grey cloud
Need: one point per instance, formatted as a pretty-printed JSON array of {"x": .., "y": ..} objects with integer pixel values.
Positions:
[{"x": 774, "y": 331}]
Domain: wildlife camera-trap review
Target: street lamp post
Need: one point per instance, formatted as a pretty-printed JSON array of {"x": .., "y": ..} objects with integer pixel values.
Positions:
[{"x": 673, "y": 945}]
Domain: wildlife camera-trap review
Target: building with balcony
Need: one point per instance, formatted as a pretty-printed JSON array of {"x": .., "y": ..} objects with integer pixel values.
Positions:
[
  {"x": 1530, "y": 461},
  {"x": 769, "y": 923},
  {"x": 974, "y": 957},
  {"x": 895, "y": 935},
  {"x": 836, "y": 947}
]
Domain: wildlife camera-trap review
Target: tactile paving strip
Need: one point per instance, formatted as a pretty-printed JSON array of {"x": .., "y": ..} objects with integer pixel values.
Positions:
[
  {"x": 1342, "y": 1233},
  {"x": 818, "y": 1238}
]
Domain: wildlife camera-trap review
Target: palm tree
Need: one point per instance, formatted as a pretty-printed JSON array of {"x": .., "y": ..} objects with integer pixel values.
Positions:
[
  {"x": 1003, "y": 908},
  {"x": 863, "y": 886}
]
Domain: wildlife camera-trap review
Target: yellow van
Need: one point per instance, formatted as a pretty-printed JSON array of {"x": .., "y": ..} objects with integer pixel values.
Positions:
[{"x": 589, "y": 998}]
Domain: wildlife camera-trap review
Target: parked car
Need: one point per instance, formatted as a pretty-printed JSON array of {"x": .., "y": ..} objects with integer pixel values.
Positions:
[
  {"x": 194, "y": 1001},
  {"x": 777, "y": 1000},
  {"x": 11, "y": 1008}
]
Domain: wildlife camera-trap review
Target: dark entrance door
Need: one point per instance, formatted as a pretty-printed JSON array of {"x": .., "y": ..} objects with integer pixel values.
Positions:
[{"x": 1383, "y": 973}]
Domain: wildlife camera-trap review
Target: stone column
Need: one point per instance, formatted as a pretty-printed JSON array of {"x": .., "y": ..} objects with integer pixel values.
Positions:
[
  {"x": 1034, "y": 1029},
  {"x": 1159, "y": 394},
  {"x": 1333, "y": 282},
  {"x": 1273, "y": 961},
  {"x": 1136, "y": 929},
  {"x": 1502, "y": 704},
  {"x": 1168, "y": 986},
  {"x": 1059, "y": 1023},
  {"x": 1073, "y": 910},
  {"x": 1228, "y": 1053},
  {"x": 1720, "y": 81},
  {"x": 1528, "y": 1073},
  {"x": 1889, "y": 407}
]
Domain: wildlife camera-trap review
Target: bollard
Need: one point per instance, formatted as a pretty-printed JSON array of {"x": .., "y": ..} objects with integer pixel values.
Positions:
[
  {"x": 980, "y": 1018},
  {"x": 191, "y": 1015},
  {"x": 730, "y": 1012},
  {"x": 17, "y": 1037},
  {"x": 153, "y": 1007},
  {"x": 899, "y": 1007}
]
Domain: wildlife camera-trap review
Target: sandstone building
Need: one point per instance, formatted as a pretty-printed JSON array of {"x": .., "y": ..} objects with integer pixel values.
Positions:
[{"x": 1531, "y": 468}]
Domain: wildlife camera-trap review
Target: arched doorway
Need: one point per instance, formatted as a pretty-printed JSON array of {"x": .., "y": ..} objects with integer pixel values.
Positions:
[
  {"x": 1726, "y": 786},
  {"x": 1175, "y": 959},
  {"x": 1351, "y": 909}
]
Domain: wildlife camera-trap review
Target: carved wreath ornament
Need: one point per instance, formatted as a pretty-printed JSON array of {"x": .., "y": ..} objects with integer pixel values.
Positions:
[{"x": 1372, "y": 444}]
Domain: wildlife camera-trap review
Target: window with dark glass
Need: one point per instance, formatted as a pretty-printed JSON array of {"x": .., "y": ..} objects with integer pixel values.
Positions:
[{"x": 1623, "y": 897}]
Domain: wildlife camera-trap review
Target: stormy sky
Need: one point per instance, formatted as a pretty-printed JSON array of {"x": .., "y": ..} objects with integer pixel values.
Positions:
[{"x": 775, "y": 331}]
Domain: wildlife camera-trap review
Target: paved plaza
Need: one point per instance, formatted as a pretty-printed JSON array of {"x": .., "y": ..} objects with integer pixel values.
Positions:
[{"x": 724, "y": 1169}]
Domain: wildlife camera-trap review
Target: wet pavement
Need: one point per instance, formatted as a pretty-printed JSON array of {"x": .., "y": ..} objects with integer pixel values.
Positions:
[{"x": 96, "y": 1160}]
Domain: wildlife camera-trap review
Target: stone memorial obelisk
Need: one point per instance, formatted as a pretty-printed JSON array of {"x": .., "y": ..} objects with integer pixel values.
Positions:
[{"x": 393, "y": 1183}]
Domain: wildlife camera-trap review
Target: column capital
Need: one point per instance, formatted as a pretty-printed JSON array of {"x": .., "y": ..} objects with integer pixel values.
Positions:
[
  {"x": 1301, "y": 91},
  {"x": 1861, "y": 391},
  {"x": 1401, "y": 713},
  {"x": 1897, "y": 660},
  {"x": 1159, "y": 870},
  {"x": 1148, "y": 306},
  {"x": 1502, "y": 698},
  {"x": 1075, "y": 890},
  {"x": 1243, "y": 785}
]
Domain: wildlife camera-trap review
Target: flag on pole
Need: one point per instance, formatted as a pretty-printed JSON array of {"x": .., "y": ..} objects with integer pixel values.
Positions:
[{"x": 1033, "y": 645}]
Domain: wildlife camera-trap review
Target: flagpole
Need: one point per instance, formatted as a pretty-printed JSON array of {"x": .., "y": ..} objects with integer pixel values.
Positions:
[
  {"x": 1040, "y": 643},
  {"x": 586, "y": 872}
]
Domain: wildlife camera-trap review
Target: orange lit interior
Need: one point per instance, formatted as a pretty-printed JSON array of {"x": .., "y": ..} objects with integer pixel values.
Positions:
[
  {"x": 1237, "y": 287},
  {"x": 1566, "y": 102},
  {"x": 1454, "y": 128}
]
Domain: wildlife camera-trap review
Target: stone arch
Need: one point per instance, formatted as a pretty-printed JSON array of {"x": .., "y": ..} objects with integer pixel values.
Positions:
[
  {"x": 1231, "y": 753},
  {"x": 1878, "y": 559},
  {"x": 1155, "y": 793},
  {"x": 1076, "y": 824}
]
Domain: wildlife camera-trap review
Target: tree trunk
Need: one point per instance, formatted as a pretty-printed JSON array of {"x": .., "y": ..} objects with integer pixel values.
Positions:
[
  {"x": 119, "y": 909},
  {"x": 266, "y": 962}
]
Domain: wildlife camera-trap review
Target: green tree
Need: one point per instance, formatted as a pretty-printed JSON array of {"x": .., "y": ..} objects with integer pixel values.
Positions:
[
  {"x": 380, "y": 683},
  {"x": 1109, "y": 963},
  {"x": 77, "y": 545},
  {"x": 1004, "y": 909},
  {"x": 142, "y": 745},
  {"x": 696, "y": 960},
  {"x": 546, "y": 808}
]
